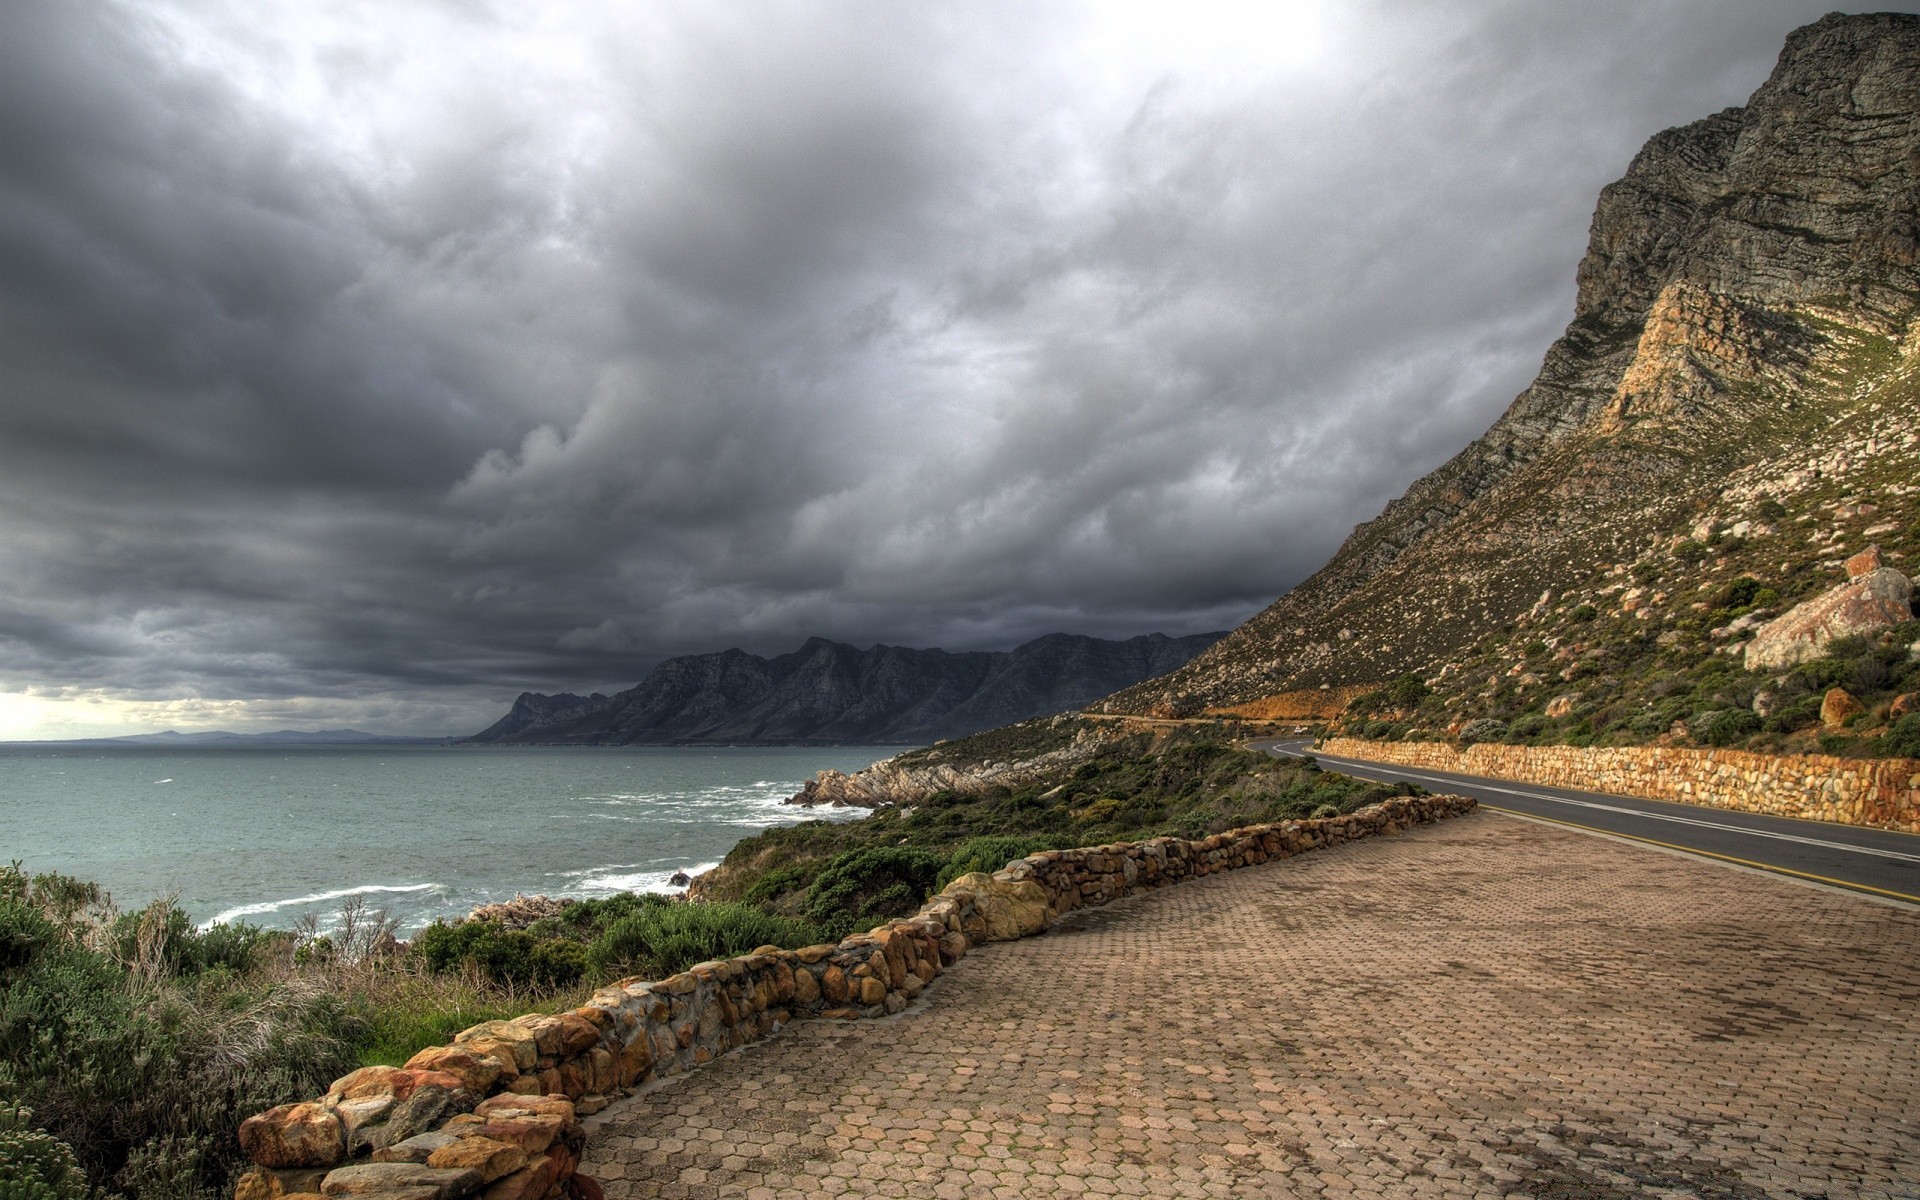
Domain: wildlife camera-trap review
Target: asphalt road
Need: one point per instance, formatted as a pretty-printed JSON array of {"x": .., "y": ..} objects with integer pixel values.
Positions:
[{"x": 1875, "y": 861}]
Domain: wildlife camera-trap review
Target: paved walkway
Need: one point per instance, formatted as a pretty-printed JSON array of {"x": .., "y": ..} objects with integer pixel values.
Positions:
[{"x": 1483, "y": 1007}]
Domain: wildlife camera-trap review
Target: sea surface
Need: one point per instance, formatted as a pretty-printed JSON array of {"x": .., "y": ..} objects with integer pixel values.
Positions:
[{"x": 273, "y": 835}]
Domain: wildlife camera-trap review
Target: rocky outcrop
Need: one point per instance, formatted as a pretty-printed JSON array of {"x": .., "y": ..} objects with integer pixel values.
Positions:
[
  {"x": 495, "y": 1113},
  {"x": 1875, "y": 598},
  {"x": 911, "y": 780},
  {"x": 1744, "y": 282},
  {"x": 831, "y": 692},
  {"x": 522, "y": 910}
]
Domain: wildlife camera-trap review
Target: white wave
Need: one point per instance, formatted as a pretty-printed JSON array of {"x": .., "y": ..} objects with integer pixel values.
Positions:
[
  {"x": 163, "y": 781},
  {"x": 608, "y": 880},
  {"x": 268, "y": 906}
]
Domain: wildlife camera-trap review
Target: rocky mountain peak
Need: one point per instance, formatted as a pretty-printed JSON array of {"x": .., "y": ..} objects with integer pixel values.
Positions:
[{"x": 1750, "y": 277}]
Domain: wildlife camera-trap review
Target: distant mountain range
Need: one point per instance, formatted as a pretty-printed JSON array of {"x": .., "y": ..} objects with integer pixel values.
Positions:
[
  {"x": 279, "y": 737},
  {"x": 829, "y": 692}
]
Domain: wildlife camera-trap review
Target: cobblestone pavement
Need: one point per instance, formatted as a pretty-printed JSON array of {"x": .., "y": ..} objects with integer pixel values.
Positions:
[{"x": 1482, "y": 1007}]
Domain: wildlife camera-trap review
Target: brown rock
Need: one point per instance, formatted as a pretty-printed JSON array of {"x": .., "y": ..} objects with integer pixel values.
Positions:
[
  {"x": 531, "y": 1182},
  {"x": 551, "y": 1106},
  {"x": 504, "y": 1040},
  {"x": 490, "y": 1158},
  {"x": 814, "y": 954},
  {"x": 532, "y": 1132},
  {"x": 806, "y": 989},
  {"x": 419, "y": 1147},
  {"x": 1560, "y": 706},
  {"x": 1903, "y": 704},
  {"x": 576, "y": 1033},
  {"x": 1010, "y": 908},
  {"x": 636, "y": 1062},
  {"x": 1864, "y": 563},
  {"x": 833, "y": 985},
  {"x": 367, "y": 1081},
  {"x": 872, "y": 991},
  {"x": 476, "y": 1072},
  {"x": 363, "y": 1178},
  {"x": 1837, "y": 707},
  {"x": 294, "y": 1135}
]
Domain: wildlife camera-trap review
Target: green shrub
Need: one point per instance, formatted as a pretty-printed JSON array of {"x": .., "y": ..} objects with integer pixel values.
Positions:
[
  {"x": 1486, "y": 729},
  {"x": 1530, "y": 726},
  {"x": 783, "y": 881},
  {"x": 872, "y": 884},
  {"x": 661, "y": 940},
  {"x": 1584, "y": 613},
  {"x": 991, "y": 853},
  {"x": 1902, "y": 738},
  {"x": 508, "y": 956},
  {"x": 1728, "y": 727},
  {"x": 1790, "y": 718},
  {"x": 34, "y": 1165}
]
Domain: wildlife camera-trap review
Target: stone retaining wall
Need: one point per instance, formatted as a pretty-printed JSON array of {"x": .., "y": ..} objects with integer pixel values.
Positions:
[
  {"x": 496, "y": 1112},
  {"x": 1882, "y": 793}
]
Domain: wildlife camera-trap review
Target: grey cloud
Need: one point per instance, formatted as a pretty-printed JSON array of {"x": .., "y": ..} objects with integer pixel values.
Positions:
[{"x": 390, "y": 361}]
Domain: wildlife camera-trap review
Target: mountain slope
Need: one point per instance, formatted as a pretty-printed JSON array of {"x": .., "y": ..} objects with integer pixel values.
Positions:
[
  {"x": 831, "y": 692},
  {"x": 1750, "y": 285}
]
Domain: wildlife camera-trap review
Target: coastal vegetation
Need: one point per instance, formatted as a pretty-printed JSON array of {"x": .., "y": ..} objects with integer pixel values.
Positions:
[
  {"x": 133, "y": 1043},
  {"x": 1182, "y": 782}
]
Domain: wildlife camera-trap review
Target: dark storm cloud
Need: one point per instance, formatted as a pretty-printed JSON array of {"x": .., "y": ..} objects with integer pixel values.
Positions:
[{"x": 375, "y": 361}]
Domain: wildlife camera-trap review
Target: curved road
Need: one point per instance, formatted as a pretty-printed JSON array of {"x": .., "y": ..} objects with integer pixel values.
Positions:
[{"x": 1876, "y": 861}]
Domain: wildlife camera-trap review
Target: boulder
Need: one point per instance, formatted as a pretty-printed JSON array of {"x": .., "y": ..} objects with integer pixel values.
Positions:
[
  {"x": 362, "y": 1178},
  {"x": 294, "y": 1135},
  {"x": 503, "y": 1040},
  {"x": 492, "y": 1159},
  {"x": 1836, "y": 707},
  {"x": 475, "y": 1071},
  {"x": 1903, "y": 704},
  {"x": 531, "y": 1182},
  {"x": 1560, "y": 706},
  {"x": 1864, "y": 563},
  {"x": 1873, "y": 601},
  {"x": 416, "y": 1149},
  {"x": 1010, "y": 908}
]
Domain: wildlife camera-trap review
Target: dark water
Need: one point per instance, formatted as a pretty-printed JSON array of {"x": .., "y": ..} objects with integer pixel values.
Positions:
[{"x": 270, "y": 835}]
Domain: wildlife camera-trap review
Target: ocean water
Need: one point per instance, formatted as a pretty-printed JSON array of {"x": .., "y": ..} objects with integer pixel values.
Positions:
[{"x": 271, "y": 835}]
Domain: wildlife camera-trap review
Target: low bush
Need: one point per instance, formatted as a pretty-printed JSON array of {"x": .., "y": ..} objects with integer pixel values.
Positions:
[
  {"x": 1902, "y": 738},
  {"x": 991, "y": 853},
  {"x": 1728, "y": 727},
  {"x": 863, "y": 886},
  {"x": 515, "y": 957},
  {"x": 33, "y": 1165},
  {"x": 660, "y": 940}
]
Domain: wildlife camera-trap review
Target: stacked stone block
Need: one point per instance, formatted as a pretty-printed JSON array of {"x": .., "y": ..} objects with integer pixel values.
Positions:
[
  {"x": 495, "y": 1114},
  {"x": 1881, "y": 793}
]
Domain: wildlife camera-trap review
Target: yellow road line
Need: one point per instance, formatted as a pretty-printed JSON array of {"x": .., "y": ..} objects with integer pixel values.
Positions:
[{"x": 1745, "y": 862}]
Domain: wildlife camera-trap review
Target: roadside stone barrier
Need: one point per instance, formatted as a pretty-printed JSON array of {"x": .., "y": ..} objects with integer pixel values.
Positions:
[
  {"x": 1882, "y": 793},
  {"x": 495, "y": 1114}
]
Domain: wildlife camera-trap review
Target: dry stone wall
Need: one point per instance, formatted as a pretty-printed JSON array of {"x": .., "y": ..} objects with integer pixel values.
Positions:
[
  {"x": 1882, "y": 793},
  {"x": 495, "y": 1114}
]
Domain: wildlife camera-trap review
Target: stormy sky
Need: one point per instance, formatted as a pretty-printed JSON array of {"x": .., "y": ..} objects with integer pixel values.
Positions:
[{"x": 366, "y": 363}]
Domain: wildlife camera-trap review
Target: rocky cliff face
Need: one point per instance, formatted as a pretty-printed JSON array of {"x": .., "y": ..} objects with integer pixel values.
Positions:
[
  {"x": 831, "y": 692},
  {"x": 1751, "y": 282}
]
